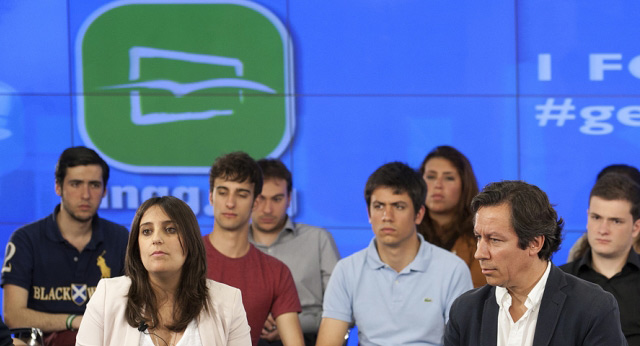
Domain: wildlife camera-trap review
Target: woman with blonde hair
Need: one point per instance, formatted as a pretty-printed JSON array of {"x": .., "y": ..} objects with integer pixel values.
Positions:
[
  {"x": 165, "y": 298},
  {"x": 448, "y": 222}
]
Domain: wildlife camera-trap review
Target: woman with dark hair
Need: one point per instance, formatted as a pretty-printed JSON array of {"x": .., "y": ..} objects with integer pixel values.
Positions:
[
  {"x": 165, "y": 298},
  {"x": 448, "y": 222}
]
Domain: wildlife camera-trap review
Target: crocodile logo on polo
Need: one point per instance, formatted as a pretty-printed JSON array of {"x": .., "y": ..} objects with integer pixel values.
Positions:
[{"x": 165, "y": 87}]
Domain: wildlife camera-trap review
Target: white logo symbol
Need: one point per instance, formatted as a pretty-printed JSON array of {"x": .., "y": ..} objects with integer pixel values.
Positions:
[{"x": 136, "y": 54}]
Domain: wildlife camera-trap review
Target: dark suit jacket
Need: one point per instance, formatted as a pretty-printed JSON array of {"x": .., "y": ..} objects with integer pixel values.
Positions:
[{"x": 572, "y": 312}]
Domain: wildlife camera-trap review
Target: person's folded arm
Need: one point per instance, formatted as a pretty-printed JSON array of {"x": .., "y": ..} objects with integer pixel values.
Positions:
[
  {"x": 289, "y": 329},
  {"x": 18, "y": 315}
]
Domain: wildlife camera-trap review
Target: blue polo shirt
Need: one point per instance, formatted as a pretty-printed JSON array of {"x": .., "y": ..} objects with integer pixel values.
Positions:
[
  {"x": 59, "y": 278},
  {"x": 391, "y": 308}
]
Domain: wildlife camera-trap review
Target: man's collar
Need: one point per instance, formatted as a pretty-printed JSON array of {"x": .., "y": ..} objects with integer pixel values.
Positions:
[
  {"x": 373, "y": 258},
  {"x": 534, "y": 297},
  {"x": 419, "y": 263},
  {"x": 423, "y": 256},
  {"x": 633, "y": 258},
  {"x": 55, "y": 234},
  {"x": 586, "y": 261},
  {"x": 53, "y": 231},
  {"x": 289, "y": 227}
]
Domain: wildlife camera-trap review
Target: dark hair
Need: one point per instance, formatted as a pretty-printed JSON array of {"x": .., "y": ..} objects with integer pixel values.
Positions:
[
  {"x": 623, "y": 169},
  {"x": 238, "y": 167},
  {"x": 614, "y": 186},
  {"x": 192, "y": 294},
  {"x": 80, "y": 156},
  {"x": 630, "y": 172},
  {"x": 463, "y": 221},
  {"x": 531, "y": 213},
  {"x": 275, "y": 169},
  {"x": 401, "y": 178}
]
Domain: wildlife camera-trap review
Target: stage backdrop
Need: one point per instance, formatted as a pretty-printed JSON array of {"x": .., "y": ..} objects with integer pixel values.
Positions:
[{"x": 543, "y": 91}]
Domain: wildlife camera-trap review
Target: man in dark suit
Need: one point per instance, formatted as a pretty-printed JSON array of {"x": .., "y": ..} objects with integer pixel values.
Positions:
[{"x": 528, "y": 301}]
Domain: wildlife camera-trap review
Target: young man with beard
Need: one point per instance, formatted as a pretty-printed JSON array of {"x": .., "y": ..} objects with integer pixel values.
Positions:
[
  {"x": 308, "y": 251},
  {"x": 52, "y": 266}
]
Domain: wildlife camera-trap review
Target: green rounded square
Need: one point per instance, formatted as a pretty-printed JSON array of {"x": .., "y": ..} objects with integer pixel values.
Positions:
[{"x": 166, "y": 87}]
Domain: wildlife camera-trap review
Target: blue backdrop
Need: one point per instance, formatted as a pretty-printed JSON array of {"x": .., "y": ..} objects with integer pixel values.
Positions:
[{"x": 544, "y": 91}]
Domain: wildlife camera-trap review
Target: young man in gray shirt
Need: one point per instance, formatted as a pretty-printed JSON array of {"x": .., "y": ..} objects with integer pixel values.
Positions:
[{"x": 309, "y": 252}]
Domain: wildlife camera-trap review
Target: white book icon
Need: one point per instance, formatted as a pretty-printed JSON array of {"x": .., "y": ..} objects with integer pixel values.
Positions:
[{"x": 136, "y": 54}]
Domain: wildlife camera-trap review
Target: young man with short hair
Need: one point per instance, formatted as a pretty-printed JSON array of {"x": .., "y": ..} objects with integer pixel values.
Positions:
[
  {"x": 308, "y": 251},
  {"x": 235, "y": 180},
  {"x": 581, "y": 246},
  {"x": 52, "y": 266},
  {"x": 398, "y": 290},
  {"x": 613, "y": 221}
]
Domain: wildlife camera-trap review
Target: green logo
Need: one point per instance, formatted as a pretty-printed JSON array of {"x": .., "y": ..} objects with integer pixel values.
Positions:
[{"x": 166, "y": 87}]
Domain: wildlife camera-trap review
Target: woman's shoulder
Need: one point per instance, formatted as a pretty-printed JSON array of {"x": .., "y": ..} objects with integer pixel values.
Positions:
[
  {"x": 218, "y": 288},
  {"x": 113, "y": 285},
  {"x": 117, "y": 281},
  {"x": 223, "y": 298}
]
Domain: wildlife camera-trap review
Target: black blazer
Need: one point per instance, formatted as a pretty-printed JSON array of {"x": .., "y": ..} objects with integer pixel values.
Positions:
[{"x": 572, "y": 312}]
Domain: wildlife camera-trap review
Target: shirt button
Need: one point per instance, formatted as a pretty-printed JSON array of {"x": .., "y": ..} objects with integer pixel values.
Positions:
[{"x": 75, "y": 259}]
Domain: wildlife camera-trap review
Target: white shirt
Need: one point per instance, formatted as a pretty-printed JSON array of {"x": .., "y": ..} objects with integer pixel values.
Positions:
[
  {"x": 191, "y": 337},
  {"x": 520, "y": 333}
]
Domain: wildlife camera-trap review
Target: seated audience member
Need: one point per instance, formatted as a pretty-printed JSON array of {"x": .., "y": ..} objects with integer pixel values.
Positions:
[
  {"x": 235, "y": 181},
  {"x": 581, "y": 246},
  {"x": 309, "y": 252},
  {"x": 53, "y": 265},
  {"x": 398, "y": 291},
  {"x": 448, "y": 221},
  {"x": 528, "y": 301},
  {"x": 165, "y": 299},
  {"x": 613, "y": 221}
]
